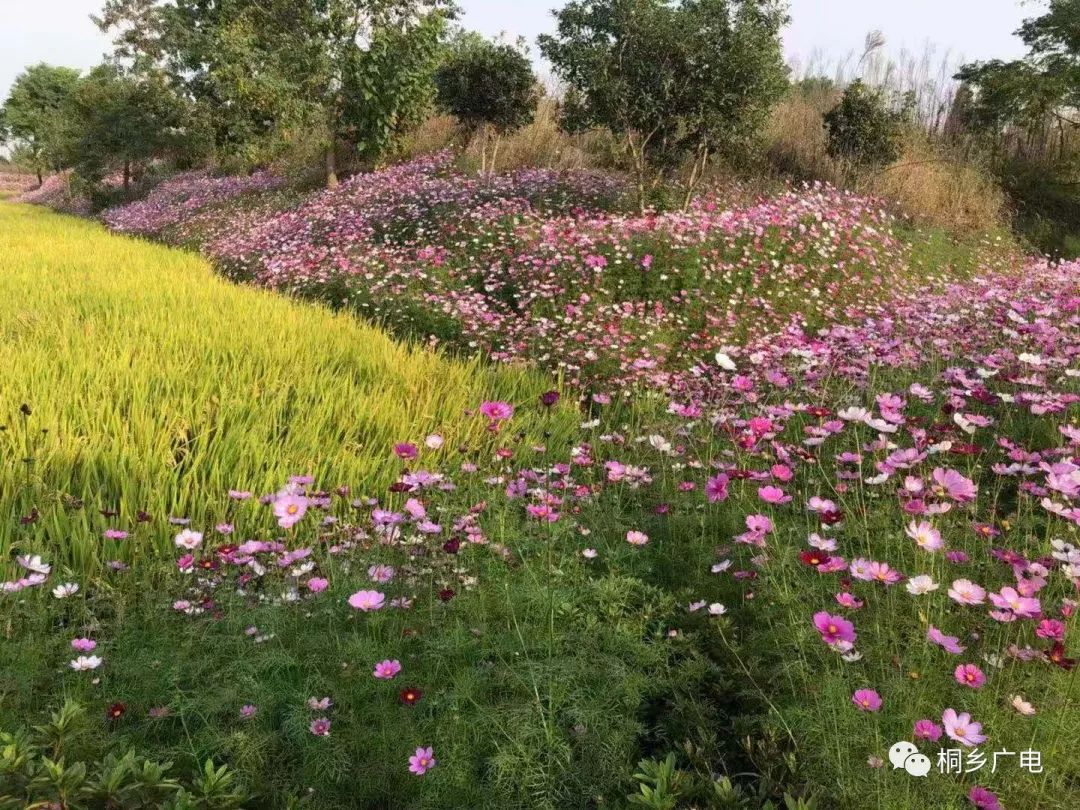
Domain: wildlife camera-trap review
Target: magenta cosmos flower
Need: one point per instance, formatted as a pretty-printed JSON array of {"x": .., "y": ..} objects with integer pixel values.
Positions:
[
  {"x": 422, "y": 761},
  {"x": 962, "y": 728},
  {"x": 405, "y": 450},
  {"x": 497, "y": 411},
  {"x": 773, "y": 495},
  {"x": 984, "y": 799},
  {"x": 716, "y": 488},
  {"x": 927, "y": 730},
  {"x": 320, "y": 727},
  {"x": 834, "y": 629},
  {"x": 866, "y": 700},
  {"x": 83, "y": 644},
  {"x": 385, "y": 670},
  {"x": 289, "y": 508},
  {"x": 367, "y": 600},
  {"x": 969, "y": 675},
  {"x": 1024, "y": 607}
]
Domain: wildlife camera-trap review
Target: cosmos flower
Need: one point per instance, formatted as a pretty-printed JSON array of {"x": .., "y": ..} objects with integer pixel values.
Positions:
[
  {"x": 927, "y": 730},
  {"x": 320, "y": 727},
  {"x": 367, "y": 600},
  {"x": 947, "y": 643},
  {"x": 289, "y": 508},
  {"x": 188, "y": 539},
  {"x": 86, "y": 662},
  {"x": 834, "y": 629},
  {"x": 866, "y": 700},
  {"x": 969, "y": 675},
  {"x": 636, "y": 538},
  {"x": 422, "y": 761},
  {"x": 961, "y": 728},
  {"x": 385, "y": 670},
  {"x": 966, "y": 592}
]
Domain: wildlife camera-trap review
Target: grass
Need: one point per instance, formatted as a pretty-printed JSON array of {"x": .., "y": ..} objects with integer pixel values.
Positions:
[{"x": 152, "y": 383}]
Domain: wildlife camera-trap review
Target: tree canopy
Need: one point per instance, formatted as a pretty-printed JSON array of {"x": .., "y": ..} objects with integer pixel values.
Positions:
[
  {"x": 675, "y": 77},
  {"x": 33, "y": 115}
]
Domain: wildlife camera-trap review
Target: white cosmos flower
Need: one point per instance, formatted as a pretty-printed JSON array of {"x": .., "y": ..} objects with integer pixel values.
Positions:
[
  {"x": 65, "y": 590},
  {"x": 922, "y": 584},
  {"x": 725, "y": 362},
  {"x": 189, "y": 539},
  {"x": 716, "y": 609},
  {"x": 34, "y": 563},
  {"x": 86, "y": 662}
]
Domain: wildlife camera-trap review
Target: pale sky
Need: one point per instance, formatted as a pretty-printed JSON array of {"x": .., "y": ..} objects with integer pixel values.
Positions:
[{"x": 822, "y": 31}]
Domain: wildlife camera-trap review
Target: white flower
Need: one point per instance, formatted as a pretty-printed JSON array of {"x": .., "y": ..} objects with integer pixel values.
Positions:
[
  {"x": 854, "y": 414},
  {"x": 725, "y": 362},
  {"x": 65, "y": 590},
  {"x": 34, "y": 564},
  {"x": 189, "y": 539},
  {"x": 433, "y": 442},
  {"x": 922, "y": 584},
  {"x": 85, "y": 662},
  {"x": 716, "y": 609}
]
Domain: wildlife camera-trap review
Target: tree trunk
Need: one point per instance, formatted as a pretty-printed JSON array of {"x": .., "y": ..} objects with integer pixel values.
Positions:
[
  {"x": 40, "y": 178},
  {"x": 331, "y": 166},
  {"x": 127, "y": 176}
]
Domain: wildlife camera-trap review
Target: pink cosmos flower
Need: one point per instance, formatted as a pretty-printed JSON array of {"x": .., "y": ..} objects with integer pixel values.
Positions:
[
  {"x": 497, "y": 411},
  {"x": 367, "y": 600},
  {"x": 848, "y": 599},
  {"x": 969, "y": 675},
  {"x": 866, "y": 700},
  {"x": 115, "y": 534},
  {"x": 961, "y": 728},
  {"x": 966, "y": 592},
  {"x": 385, "y": 670},
  {"x": 320, "y": 727},
  {"x": 289, "y": 508},
  {"x": 380, "y": 573},
  {"x": 83, "y": 644},
  {"x": 773, "y": 495},
  {"x": 1024, "y": 607},
  {"x": 247, "y": 711},
  {"x": 925, "y": 536},
  {"x": 954, "y": 485},
  {"x": 927, "y": 730},
  {"x": 947, "y": 643},
  {"x": 716, "y": 488},
  {"x": 884, "y": 573},
  {"x": 1051, "y": 629},
  {"x": 636, "y": 538},
  {"x": 318, "y": 584},
  {"x": 834, "y": 629},
  {"x": 422, "y": 761}
]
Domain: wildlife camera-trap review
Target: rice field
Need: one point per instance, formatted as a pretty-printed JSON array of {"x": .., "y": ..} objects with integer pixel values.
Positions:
[{"x": 136, "y": 380}]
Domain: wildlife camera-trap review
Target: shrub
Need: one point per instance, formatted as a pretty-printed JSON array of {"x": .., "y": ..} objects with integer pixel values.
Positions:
[
  {"x": 490, "y": 88},
  {"x": 862, "y": 129}
]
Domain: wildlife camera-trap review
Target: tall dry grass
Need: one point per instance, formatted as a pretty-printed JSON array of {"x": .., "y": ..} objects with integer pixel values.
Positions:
[{"x": 541, "y": 144}]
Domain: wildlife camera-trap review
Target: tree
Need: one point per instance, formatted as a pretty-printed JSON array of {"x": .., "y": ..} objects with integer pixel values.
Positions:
[
  {"x": 33, "y": 114},
  {"x": 863, "y": 130},
  {"x": 121, "y": 122},
  {"x": 674, "y": 78},
  {"x": 489, "y": 87},
  {"x": 1039, "y": 91},
  {"x": 354, "y": 72}
]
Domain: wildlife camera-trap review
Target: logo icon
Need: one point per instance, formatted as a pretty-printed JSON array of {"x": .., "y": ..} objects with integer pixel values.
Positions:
[{"x": 905, "y": 755}]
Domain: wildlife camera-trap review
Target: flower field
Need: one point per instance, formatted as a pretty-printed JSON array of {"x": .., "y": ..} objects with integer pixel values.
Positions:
[{"x": 769, "y": 485}]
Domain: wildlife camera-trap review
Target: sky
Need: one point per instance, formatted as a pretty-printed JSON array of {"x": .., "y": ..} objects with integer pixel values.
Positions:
[{"x": 822, "y": 32}]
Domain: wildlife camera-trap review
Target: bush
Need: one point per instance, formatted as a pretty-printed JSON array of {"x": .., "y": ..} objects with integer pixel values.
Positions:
[{"x": 862, "y": 129}]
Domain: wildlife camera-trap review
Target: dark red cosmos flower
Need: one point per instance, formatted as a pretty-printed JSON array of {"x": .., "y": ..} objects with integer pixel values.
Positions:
[
  {"x": 410, "y": 696},
  {"x": 985, "y": 530},
  {"x": 208, "y": 564},
  {"x": 446, "y": 594},
  {"x": 1056, "y": 655},
  {"x": 115, "y": 711},
  {"x": 143, "y": 517},
  {"x": 819, "y": 411},
  {"x": 26, "y": 520},
  {"x": 400, "y": 486},
  {"x": 965, "y": 449},
  {"x": 738, "y": 475},
  {"x": 815, "y": 557},
  {"x": 549, "y": 398},
  {"x": 452, "y": 546},
  {"x": 831, "y": 517}
]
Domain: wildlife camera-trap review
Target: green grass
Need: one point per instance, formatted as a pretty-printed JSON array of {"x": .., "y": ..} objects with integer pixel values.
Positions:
[{"x": 153, "y": 384}]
